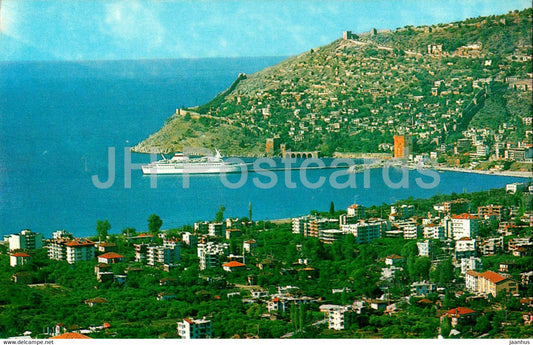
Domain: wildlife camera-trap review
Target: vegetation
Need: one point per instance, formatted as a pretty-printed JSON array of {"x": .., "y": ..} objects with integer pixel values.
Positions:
[
  {"x": 355, "y": 95},
  {"x": 133, "y": 311}
]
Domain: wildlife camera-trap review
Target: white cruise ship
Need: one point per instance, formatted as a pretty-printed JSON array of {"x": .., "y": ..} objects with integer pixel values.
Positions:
[{"x": 182, "y": 164}]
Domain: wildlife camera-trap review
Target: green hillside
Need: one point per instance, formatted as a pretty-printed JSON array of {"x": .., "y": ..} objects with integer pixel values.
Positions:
[{"x": 355, "y": 94}]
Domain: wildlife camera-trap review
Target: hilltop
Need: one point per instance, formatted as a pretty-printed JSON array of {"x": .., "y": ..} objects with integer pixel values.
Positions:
[{"x": 438, "y": 83}]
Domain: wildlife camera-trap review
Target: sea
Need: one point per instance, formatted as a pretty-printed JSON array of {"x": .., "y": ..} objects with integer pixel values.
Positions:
[{"x": 59, "y": 122}]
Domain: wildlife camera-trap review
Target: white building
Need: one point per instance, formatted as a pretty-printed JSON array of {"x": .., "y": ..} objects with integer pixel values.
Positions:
[
  {"x": 190, "y": 239},
  {"x": 434, "y": 231},
  {"x": 337, "y": 318},
  {"x": 300, "y": 224},
  {"x": 410, "y": 232},
  {"x": 470, "y": 264},
  {"x": 195, "y": 329},
  {"x": 356, "y": 211},
  {"x": 18, "y": 259},
  {"x": 514, "y": 187},
  {"x": 26, "y": 239},
  {"x": 465, "y": 248},
  {"x": 217, "y": 229},
  {"x": 167, "y": 254},
  {"x": 247, "y": 246},
  {"x": 210, "y": 254},
  {"x": 424, "y": 248},
  {"x": 366, "y": 231},
  {"x": 464, "y": 225},
  {"x": 422, "y": 288},
  {"x": 79, "y": 250}
]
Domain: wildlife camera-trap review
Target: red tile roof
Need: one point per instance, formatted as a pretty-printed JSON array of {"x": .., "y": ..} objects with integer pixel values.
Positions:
[
  {"x": 473, "y": 273},
  {"x": 394, "y": 256},
  {"x": 79, "y": 243},
  {"x": 111, "y": 255},
  {"x": 234, "y": 264},
  {"x": 354, "y": 206},
  {"x": 493, "y": 277},
  {"x": 72, "y": 335},
  {"x": 20, "y": 255},
  {"x": 463, "y": 216},
  {"x": 425, "y": 301},
  {"x": 460, "y": 311}
]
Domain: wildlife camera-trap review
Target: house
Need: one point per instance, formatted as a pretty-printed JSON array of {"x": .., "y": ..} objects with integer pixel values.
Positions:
[
  {"x": 490, "y": 246},
  {"x": 459, "y": 313},
  {"x": 106, "y": 247},
  {"x": 465, "y": 248},
  {"x": 210, "y": 253},
  {"x": 26, "y": 239},
  {"x": 249, "y": 245},
  {"x": 528, "y": 318},
  {"x": 190, "y": 239},
  {"x": 470, "y": 264},
  {"x": 18, "y": 259},
  {"x": 422, "y": 288},
  {"x": 489, "y": 283},
  {"x": 378, "y": 304},
  {"x": 233, "y": 233},
  {"x": 276, "y": 304},
  {"x": 393, "y": 260},
  {"x": 233, "y": 266},
  {"x": 110, "y": 258},
  {"x": 195, "y": 329},
  {"x": 356, "y": 211},
  {"x": 464, "y": 225},
  {"x": 434, "y": 231},
  {"x": 70, "y": 335},
  {"x": 96, "y": 301},
  {"x": 79, "y": 250},
  {"x": 424, "y": 248},
  {"x": 526, "y": 278},
  {"x": 165, "y": 296},
  {"x": 514, "y": 187},
  {"x": 339, "y": 317},
  {"x": 167, "y": 254},
  {"x": 103, "y": 272}
]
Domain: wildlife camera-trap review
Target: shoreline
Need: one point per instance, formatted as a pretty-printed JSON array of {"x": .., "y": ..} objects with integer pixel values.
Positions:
[{"x": 522, "y": 174}]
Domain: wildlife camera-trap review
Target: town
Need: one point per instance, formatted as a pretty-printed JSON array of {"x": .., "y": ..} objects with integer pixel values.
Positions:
[
  {"x": 452, "y": 266},
  {"x": 454, "y": 93}
]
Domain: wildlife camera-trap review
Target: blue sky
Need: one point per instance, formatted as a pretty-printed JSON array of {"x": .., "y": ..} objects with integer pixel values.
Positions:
[{"x": 101, "y": 30}]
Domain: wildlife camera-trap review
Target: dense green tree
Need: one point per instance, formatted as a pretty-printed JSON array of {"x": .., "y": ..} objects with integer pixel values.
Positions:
[
  {"x": 154, "y": 223},
  {"x": 102, "y": 228},
  {"x": 220, "y": 214}
]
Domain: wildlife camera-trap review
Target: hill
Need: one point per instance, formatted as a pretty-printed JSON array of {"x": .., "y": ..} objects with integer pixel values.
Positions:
[{"x": 437, "y": 83}]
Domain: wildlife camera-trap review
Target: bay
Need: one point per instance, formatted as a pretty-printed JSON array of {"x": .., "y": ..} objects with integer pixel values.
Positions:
[{"x": 58, "y": 120}]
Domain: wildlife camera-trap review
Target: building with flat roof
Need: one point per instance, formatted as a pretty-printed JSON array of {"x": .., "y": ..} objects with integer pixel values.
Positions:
[
  {"x": 195, "y": 329},
  {"x": 24, "y": 240}
]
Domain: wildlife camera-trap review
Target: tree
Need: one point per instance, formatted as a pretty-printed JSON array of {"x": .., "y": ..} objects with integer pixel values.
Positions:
[
  {"x": 250, "y": 211},
  {"x": 220, "y": 214},
  {"x": 128, "y": 232},
  {"x": 445, "y": 327},
  {"x": 154, "y": 223},
  {"x": 332, "y": 209},
  {"x": 102, "y": 228}
]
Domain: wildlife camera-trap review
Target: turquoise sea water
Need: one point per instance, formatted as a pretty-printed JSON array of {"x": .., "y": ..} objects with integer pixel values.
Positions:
[{"x": 58, "y": 119}]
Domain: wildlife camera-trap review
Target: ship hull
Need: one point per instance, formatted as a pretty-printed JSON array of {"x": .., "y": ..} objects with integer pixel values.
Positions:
[{"x": 180, "y": 169}]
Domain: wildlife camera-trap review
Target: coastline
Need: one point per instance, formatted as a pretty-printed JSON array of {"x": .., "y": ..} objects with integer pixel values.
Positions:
[{"x": 522, "y": 174}]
